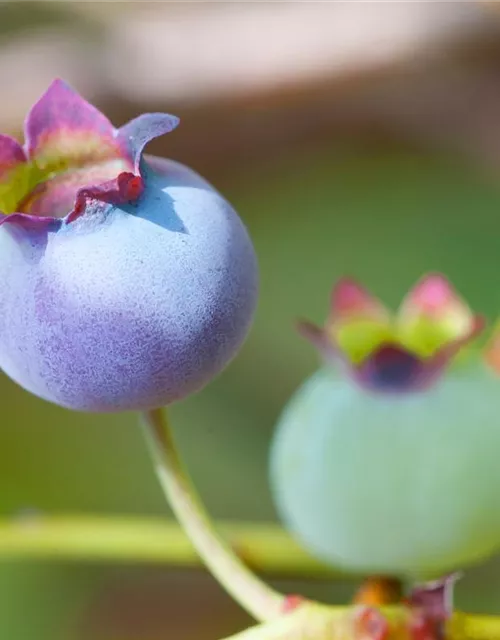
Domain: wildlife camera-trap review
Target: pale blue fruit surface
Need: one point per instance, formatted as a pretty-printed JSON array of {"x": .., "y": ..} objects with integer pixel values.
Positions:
[
  {"x": 129, "y": 307},
  {"x": 381, "y": 483}
]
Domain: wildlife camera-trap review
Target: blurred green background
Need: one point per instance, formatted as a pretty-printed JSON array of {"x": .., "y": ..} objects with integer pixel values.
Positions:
[{"x": 376, "y": 156}]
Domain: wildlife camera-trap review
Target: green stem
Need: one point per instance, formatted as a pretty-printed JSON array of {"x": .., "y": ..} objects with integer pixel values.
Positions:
[
  {"x": 335, "y": 623},
  {"x": 481, "y": 627},
  {"x": 256, "y": 597},
  {"x": 264, "y": 547}
]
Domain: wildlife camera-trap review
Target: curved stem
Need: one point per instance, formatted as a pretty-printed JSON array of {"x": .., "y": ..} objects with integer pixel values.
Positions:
[{"x": 259, "y": 600}]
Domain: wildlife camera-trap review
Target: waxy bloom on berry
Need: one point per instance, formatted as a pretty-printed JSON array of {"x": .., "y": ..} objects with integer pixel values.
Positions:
[
  {"x": 129, "y": 282},
  {"x": 387, "y": 459}
]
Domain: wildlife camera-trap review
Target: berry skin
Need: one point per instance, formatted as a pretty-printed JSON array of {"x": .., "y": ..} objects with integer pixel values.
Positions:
[
  {"x": 403, "y": 484},
  {"x": 128, "y": 281}
]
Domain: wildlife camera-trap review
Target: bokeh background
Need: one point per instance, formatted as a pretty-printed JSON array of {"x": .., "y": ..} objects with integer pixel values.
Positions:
[{"x": 352, "y": 137}]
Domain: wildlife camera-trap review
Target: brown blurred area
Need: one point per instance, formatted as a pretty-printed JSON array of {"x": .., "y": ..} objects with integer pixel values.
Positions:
[
  {"x": 253, "y": 79},
  {"x": 256, "y": 84}
]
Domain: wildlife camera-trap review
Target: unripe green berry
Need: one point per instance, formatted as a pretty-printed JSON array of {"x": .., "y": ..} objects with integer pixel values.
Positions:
[{"x": 404, "y": 484}]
